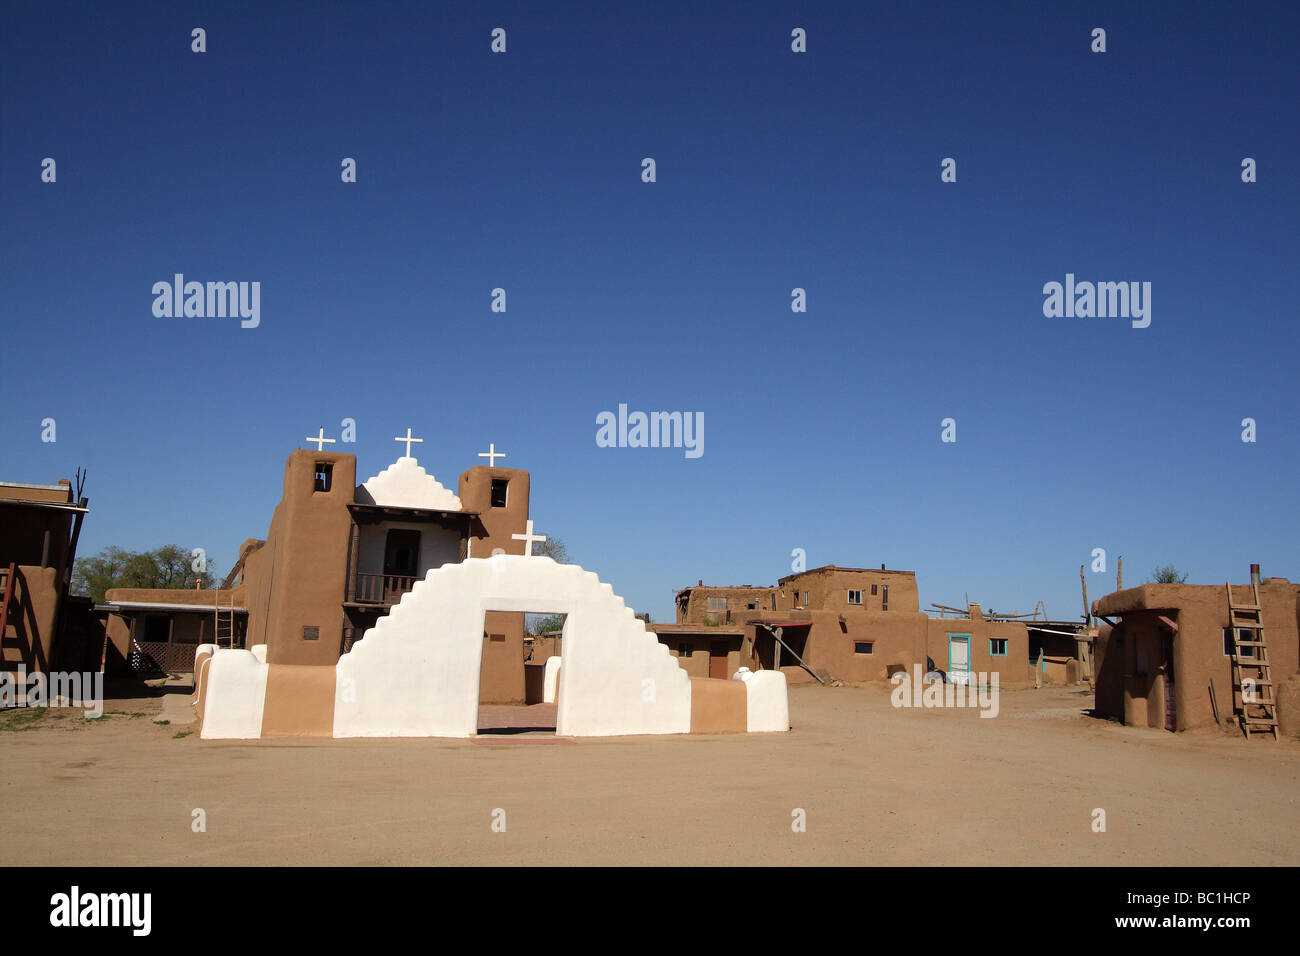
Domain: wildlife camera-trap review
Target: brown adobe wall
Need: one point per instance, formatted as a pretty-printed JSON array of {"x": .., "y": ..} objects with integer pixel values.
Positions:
[
  {"x": 495, "y": 525},
  {"x": 298, "y": 579},
  {"x": 738, "y": 600},
  {"x": 1201, "y": 613},
  {"x": 501, "y": 676},
  {"x": 828, "y": 589},
  {"x": 1012, "y": 669},
  {"x": 32, "y": 618}
]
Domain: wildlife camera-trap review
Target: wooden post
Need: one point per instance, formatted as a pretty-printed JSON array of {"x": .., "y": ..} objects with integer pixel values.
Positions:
[
  {"x": 1119, "y": 573},
  {"x": 354, "y": 550},
  {"x": 1038, "y": 670},
  {"x": 1087, "y": 608}
]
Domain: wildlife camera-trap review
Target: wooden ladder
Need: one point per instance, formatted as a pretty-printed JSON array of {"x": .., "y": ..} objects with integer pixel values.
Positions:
[
  {"x": 8, "y": 579},
  {"x": 1255, "y": 704},
  {"x": 224, "y": 631}
]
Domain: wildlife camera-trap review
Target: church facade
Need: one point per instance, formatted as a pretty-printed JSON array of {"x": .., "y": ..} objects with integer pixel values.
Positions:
[{"x": 337, "y": 558}]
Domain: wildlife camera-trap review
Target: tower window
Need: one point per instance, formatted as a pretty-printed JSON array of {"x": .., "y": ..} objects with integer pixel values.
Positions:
[
  {"x": 500, "y": 487},
  {"x": 324, "y": 476}
]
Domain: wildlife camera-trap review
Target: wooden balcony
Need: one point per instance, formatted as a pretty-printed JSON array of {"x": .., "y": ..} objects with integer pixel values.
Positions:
[{"x": 379, "y": 590}]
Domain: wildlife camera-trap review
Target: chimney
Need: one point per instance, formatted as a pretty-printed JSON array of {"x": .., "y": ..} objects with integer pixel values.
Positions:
[
  {"x": 882, "y": 567},
  {"x": 1254, "y": 576},
  {"x": 701, "y": 584}
]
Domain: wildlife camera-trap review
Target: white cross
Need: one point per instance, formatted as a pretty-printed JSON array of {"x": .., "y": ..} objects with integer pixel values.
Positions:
[
  {"x": 528, "y": 538},
  {"x": 320, "y": 439},
  {"x": 409, "y": 441},
  {"x": 492, "y": 455}
]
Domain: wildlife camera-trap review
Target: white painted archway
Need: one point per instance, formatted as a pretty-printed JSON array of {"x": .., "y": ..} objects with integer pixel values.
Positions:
[{"x": 416, "y": 672}]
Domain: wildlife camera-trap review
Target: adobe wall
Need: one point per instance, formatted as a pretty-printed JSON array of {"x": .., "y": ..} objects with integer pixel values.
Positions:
[
  {"x": 1134, "y": 654},
  {"x": 37, "y": 594},
  {"x": 700, "y": 646},
  {"x": 502, "y": 679},
  {"x": 737, "y": 600},
  {"x": 828, "y": 589},
  {"x": 1012, "y": 668},
  {"x": 298, "y": 579},
  {"x": 495, "y": 525}
]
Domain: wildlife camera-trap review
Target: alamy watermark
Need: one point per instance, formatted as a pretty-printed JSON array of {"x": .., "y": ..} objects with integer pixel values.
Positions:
[
  {"x": 212, "y": 300},
  {"x": 1102, "y": 300},
  {"x": 914, "y": 690},
  {"x": 651, "y": 430},
  {"x": 55, "y": 689}
]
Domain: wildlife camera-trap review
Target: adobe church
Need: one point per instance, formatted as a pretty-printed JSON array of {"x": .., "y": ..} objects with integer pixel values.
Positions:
[{"x": 337, "y": 558}]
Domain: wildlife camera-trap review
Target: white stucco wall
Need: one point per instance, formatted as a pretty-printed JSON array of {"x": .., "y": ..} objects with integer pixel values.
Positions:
[
  {"x": 416, "y": 673},
  {"x": 405, "y": 484},
  {"x": 767, "y": 701},
  {"x": 235, "y": 695},
  {"x": 550, "y": 680}
]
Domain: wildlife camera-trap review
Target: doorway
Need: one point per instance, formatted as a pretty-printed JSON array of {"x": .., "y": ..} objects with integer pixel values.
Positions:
[
  {"x": 959, "y": 658},
  {"x": 1171, "y": 702},
  {"x": 718, "y": 659}
]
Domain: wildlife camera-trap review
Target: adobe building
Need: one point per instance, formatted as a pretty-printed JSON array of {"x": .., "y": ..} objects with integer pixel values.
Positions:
[
  {"x": 1165, "y": 657},
  {"x": 337, "y": 558},
  {"x": 851, "y": 624},
  {"x": 42, "y": 627}
]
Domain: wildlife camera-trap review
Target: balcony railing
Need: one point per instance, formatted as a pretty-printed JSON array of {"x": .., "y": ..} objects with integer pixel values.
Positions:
[{"x": 383, "y": 589}]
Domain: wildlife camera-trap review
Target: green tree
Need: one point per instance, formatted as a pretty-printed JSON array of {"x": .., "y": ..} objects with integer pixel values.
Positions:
[
  {"x": 170, "y": 566},
  {"x": 1167, "y": 575},
  {"x": 554, "y": 549}
]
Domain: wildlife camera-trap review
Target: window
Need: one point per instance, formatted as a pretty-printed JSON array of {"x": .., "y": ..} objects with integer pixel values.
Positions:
[
  {"x": 311, "y": 633},
  {"x": 751, "y": 606},
  {"x": 855, "y": 597},
  {"x": 805, "y": 598},
  {"x": 324, "y": 476},
  {"x": 684, "y": 650},
  {"x": 717, "y": 604},
  {"x": 997, "y": 646},
  {"x": 862, "y": 647},
  {"x": 884, "y": 597},
  {"x": 873, "y": 590},
  {"x": 402, "y": 552},
  {"x": 500, "y": 492},
  {"x": 157, "y": 629},
  {"x": 1230, "y": 645}
]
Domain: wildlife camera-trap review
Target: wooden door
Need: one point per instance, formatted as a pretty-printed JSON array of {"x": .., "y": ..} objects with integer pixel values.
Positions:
[{"x": 718, "y": 659}]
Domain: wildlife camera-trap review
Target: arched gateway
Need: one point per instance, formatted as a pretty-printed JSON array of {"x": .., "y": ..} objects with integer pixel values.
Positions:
[{"x": 416, "y": 672}]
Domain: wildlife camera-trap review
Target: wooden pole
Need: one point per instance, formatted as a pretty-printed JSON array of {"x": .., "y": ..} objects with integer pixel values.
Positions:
[
  {"x": 1087, "y": 608},
  {"x": 1119, "y": 573}
]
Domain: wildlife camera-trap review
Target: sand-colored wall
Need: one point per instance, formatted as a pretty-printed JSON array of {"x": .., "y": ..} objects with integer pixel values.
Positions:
[
  {"x": 33, "y": 618},
  {"x": 828, "y": 589},
  {"x": 695, "y": 608},
  {"x": 1011, "y": 668},
  {"x": 1133, "y": 666},
  {"x": 299, "y": 578},
  {"x": 502, "y": 679}
]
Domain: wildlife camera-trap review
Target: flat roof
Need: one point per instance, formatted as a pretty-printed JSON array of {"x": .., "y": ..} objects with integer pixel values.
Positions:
[
  {"x": 695, "y": 629},
  {"x": 47, "y": 505},
  {"x": 165, "y": 606},
  {"x": 367, "y": 509}
]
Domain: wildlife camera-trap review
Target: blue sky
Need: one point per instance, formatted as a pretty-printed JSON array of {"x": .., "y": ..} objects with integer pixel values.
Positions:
[{"x": 775, "y": 170}]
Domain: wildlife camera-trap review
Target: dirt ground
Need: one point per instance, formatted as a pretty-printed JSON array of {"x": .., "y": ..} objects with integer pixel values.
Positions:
[{"x": 877, "y": 785}]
